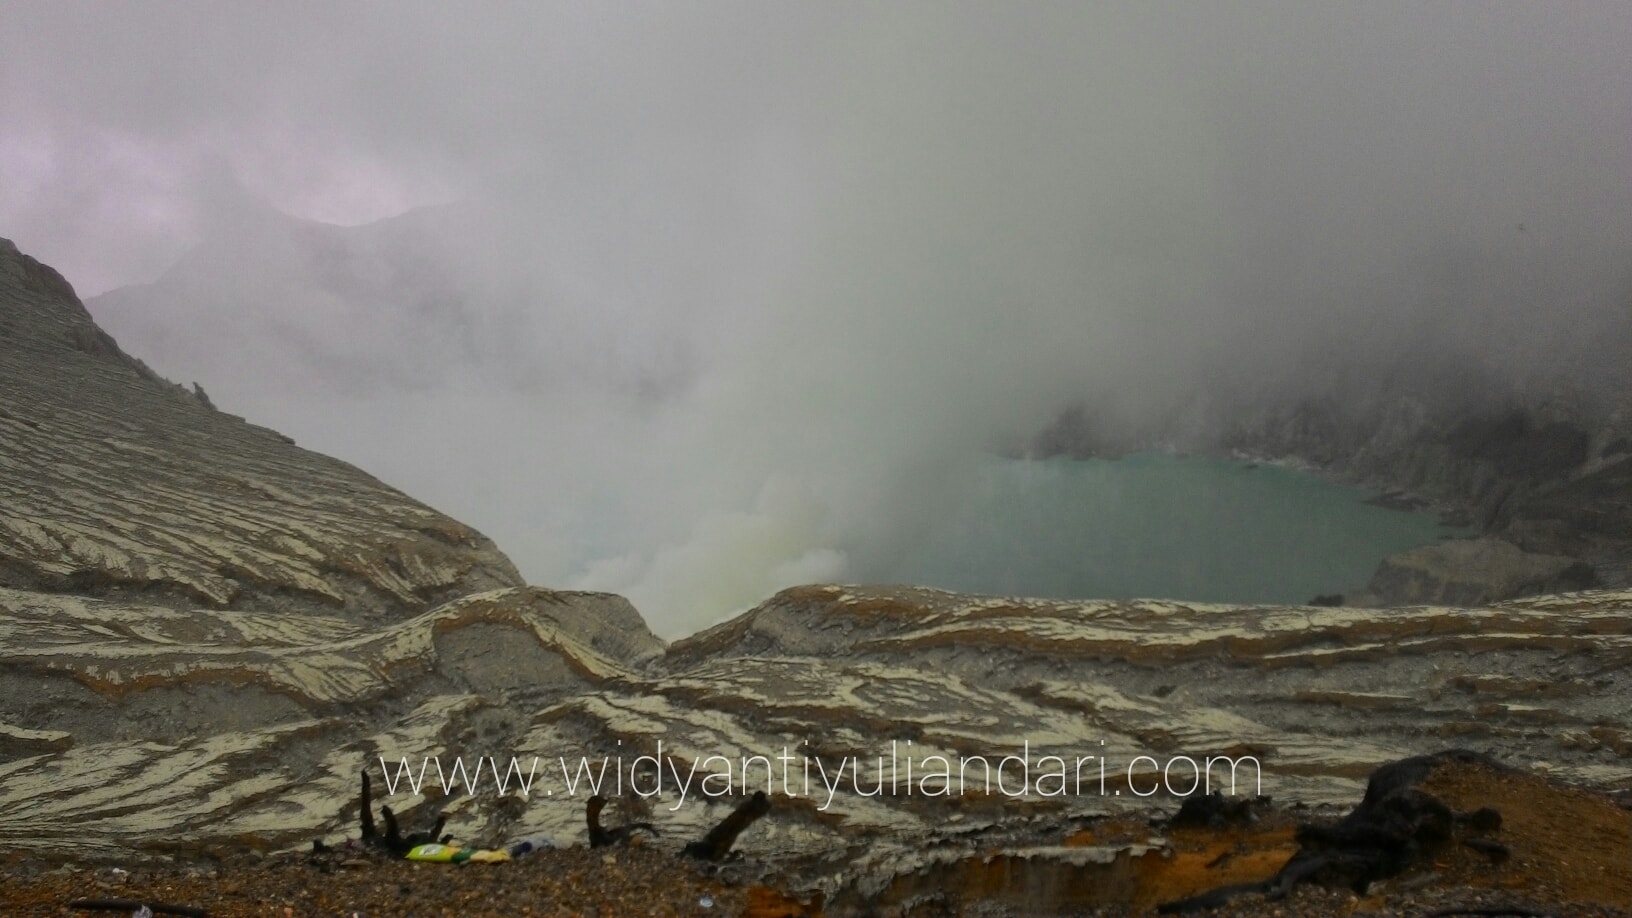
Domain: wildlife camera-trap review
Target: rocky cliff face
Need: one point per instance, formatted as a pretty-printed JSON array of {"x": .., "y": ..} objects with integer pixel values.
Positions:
[
  {"x": 1551, "y": 478},
  {"x": 1499, "y": 464}
]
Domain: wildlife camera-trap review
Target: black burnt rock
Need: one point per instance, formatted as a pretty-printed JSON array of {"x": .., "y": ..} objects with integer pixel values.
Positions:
[
  {"x": 1395, "y": 826},
  {"x": 717, "y": 843},
  {"x": 1214, "y": 811}
]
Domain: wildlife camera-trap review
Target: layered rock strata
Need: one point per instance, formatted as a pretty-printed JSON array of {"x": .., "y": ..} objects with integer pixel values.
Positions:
[{"x": 550, "y": 686}]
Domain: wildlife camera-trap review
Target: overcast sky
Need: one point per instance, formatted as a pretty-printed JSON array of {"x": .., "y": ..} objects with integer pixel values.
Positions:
[{"x": 731, "y": 296}]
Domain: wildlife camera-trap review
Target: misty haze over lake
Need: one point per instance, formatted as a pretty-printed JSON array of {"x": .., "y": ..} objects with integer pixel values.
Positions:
[{"x": 695, "y": 303}]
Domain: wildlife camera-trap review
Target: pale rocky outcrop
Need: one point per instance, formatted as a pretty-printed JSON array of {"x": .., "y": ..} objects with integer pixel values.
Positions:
[{"x": 1471, "y": 572}]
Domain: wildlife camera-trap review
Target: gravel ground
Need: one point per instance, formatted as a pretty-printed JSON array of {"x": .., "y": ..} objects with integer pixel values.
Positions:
[
  {"x": 574, "y": 881},
  {"x": 583, "y": 882},
  {"x": 1565, "y": 852}
]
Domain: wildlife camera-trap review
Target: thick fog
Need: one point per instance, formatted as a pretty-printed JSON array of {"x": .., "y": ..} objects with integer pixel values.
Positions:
[{"x": 692, "y": 302}]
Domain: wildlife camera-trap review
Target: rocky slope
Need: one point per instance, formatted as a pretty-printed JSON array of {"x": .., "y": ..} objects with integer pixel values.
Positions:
[
  {"x": 116, "y": 483},
  {"x": 206, "y": 633}
]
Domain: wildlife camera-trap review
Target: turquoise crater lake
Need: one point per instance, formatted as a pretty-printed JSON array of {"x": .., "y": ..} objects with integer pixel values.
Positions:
[{"x": 1154, "y": 525}]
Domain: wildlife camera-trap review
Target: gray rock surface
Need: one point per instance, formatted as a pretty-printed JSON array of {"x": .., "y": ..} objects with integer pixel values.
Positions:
[{"x": 1472, "y": 572}]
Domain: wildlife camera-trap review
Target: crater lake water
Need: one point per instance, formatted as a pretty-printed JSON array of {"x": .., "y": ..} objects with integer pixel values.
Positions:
[{"x": 1155, "y": 525}]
